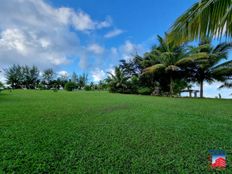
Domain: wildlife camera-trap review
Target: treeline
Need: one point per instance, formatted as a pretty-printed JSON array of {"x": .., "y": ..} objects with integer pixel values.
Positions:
[
  {"x": 26, "y": 77},
  {"x": 168, "y": 68}
]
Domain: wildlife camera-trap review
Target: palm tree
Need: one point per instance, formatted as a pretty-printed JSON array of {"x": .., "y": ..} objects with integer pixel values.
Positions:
[
  {"x": 204, "y": 63},
  {"x": 206, "y": 18},
  {"x": 165, "y": 56},
  {"x": 117, "y": 81}
]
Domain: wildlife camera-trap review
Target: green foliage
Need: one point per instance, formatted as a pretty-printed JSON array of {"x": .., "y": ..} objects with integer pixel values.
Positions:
[
  {"x": 118, "y": 82},
  {"x": 167, "y": 55},
  {"x": 145, "y": 91},
  {"x": 206, "y": 18},
  {"x": 48, "y": 77},
  {"x": 87, "y": 88},
  {"x": 82, "y": 81},
  {"x": 171, "y": 68},
  {"x": 22, "y": 76},
  {"x": 70, "y": 86},
  {"x": 205, "y": 63},
  {"x": 100, "y": 132},
  {"x": 1, "y": 86}
]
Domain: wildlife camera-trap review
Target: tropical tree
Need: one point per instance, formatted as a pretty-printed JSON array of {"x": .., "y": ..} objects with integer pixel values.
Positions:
[
  {"x": 82, "y": 80},
  {"x": 117, "y": 81},
  {"x": 206, "y": 18},
  {"x": 1, "y": 86},
  {"x": 30, "y": 76},
  {"x": 204, "y": 63},
  {"x": 165, "y": 57},
  {"x": 14, "y": 76},
  {"x": 48, "y": 76},
  {"x": 74, "y": 77}
]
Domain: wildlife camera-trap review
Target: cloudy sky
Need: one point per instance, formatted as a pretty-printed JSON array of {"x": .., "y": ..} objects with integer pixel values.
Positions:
[{"x": 88, "y": 36}]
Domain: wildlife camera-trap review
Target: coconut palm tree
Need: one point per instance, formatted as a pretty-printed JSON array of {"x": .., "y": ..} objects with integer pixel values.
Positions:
[
  {"x": 206, "y": 18},
  {"x": 117, "y": 81},
  {"x": 204, "y": 63},
  {"x": 166, "y": 55}
]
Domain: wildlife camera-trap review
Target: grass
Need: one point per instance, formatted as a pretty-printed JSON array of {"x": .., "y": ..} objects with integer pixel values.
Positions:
[{"x": 98, "y": 132}]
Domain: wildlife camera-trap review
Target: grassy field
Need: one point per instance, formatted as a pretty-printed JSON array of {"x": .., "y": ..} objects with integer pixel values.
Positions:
[{"x": 99, "y": 132}]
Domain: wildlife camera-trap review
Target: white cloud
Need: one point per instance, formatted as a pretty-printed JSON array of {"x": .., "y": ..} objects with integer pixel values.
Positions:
[
  {"x": 64, "y": 74},
  {"x": 34, "y": 32},
  {"x": 128, "y": 49},
  {"x": 106, "y": 23},
  {"x": 82, "y": 21},
  {"x": 98, "y": 75},
  {"x": 113, "y": 33},
  {"x": 95, "y": 48}
]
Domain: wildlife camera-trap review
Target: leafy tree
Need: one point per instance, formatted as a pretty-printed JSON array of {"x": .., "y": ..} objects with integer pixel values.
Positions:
[
  {"x": 74, "y": 77},
  {"x": 204, "y": 63},
  {"x": 118, "y": 81},
  {"x": 48, "y": 76},
  {"x": 206, "y": 18},
  {"x": 30, "y": 76},
  {"x": 102, "y": 85},
  {"x": 166, "y": 56},
  {"x": 14, "y": 76},
  {"x": 61, "y": 82},
  {"x": 70, "y": 86},
  {"x": 1, "y": 86},
  {"x": 82, "y": 81}
]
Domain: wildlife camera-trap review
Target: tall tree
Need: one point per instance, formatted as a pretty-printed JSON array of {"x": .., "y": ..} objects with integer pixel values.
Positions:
[
  {"x": 48, "y": 76},
  {"x": 117, "y": 81},
  {"x": 82, "y": 80},
  {"x": 204, "y": 63},
  {"x": 30, "y": 76},
  {"x": 14, "y": 76},
  {"x": 74, "y": 77},
  {"x": 206, "y": 18},
  {"x": 166, "y": 54}
]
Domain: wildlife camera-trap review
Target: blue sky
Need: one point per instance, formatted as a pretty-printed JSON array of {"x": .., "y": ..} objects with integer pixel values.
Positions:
[{"x": 88, "y": 36}]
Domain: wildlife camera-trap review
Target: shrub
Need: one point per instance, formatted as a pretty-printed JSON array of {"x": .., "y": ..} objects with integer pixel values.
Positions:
[
  {"x": 70, "y": 86},
  {"x": 144, "y": 91},
  {"x": 88, "y": 88}
]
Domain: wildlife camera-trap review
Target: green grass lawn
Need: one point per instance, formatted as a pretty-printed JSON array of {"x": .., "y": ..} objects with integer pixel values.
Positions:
[{"x": 99, "y": 132}]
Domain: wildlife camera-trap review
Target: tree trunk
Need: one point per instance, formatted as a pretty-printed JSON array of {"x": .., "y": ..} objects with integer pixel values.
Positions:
[
  {"x": 201, "y": 88},
  {"x": 171, "y": 85}
]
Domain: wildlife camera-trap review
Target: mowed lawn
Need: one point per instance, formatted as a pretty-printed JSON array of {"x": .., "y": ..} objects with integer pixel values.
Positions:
[{"x": 99, "y": 132}]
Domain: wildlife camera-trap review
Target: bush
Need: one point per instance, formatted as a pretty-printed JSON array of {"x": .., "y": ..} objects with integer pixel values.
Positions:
[
  {"x": 88, "y": 88},
  {"x": 145, "y": 91},
  {"x": 70, "y": 86}
]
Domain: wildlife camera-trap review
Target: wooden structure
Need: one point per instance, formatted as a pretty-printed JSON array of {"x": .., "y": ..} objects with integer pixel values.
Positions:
[{"x": 191, "y": 91}]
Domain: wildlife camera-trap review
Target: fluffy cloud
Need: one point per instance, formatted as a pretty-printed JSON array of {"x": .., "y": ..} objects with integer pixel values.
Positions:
[
  {"x": 34, "y": 32},
  {"x": 98, "y": 75},
  {"x": 95, "y": 48},
  {"x": 127, "y": 50},
  {"x": 63, "y": 74},
  {"x": 113, "y": 33}
]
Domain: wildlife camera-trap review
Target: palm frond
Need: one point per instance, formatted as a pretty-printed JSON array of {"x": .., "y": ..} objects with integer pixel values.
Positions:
[
  {"x": 227, "y": 64},
  {"x": 154, "y": 69},
  {"x": 205, "y": 18}
]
